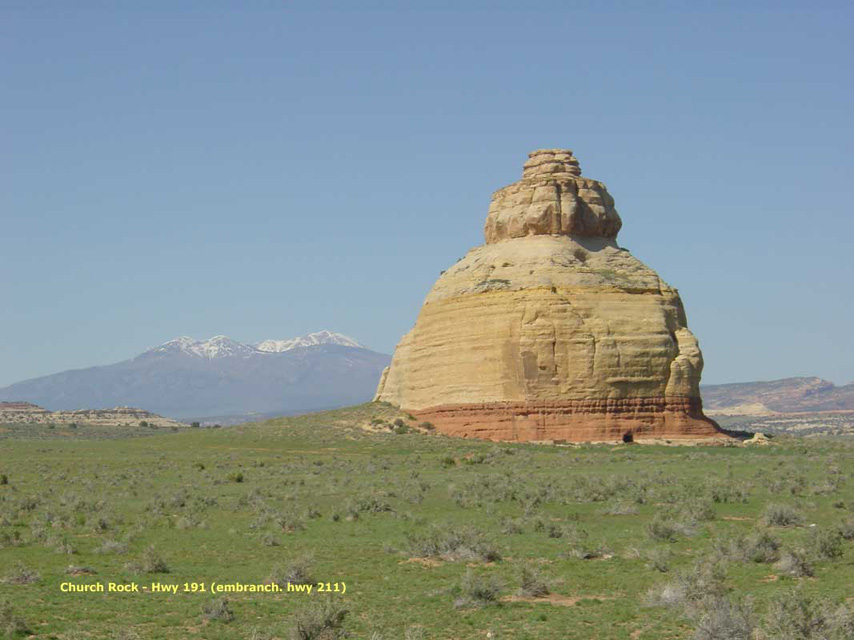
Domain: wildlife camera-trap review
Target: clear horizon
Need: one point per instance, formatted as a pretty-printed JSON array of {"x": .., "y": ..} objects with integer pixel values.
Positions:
[{"x": 269, "y": 172}]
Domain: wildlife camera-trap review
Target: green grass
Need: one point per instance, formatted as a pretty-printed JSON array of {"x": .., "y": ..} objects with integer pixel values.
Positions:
[{"x": 405, "y": 521}]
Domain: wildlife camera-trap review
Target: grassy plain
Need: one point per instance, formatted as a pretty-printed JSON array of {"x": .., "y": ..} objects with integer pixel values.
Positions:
[{"x": 434, "y": 537}]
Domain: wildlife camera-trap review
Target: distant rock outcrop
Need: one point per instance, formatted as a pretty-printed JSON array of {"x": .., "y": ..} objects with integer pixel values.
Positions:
[
  {"x": 551, "y": 330},
  {"x": 27, "y": 413},
  {"x": 789, "y": 395}
]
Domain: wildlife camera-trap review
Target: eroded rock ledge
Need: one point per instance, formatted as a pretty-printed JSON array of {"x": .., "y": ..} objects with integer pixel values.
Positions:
[{"x": 622, "y": 420}]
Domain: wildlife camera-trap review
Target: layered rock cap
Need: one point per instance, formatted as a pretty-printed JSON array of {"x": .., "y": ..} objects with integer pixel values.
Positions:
[
  {"x": 551, "y": 331},
  {"x": 552, "y": 198}
]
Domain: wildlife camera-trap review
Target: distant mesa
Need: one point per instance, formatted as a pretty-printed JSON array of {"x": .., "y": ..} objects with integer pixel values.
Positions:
[
  {"x": 551, "y": 331},
  {"x": 788, "y": 395},
  {"x": 220, "y": 379},
  {"x": 28, "y": 413}
]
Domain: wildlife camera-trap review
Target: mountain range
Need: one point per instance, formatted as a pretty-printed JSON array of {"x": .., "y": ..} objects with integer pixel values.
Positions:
[
  {"x": 193, "y": 379},
  {"x": 789, "y": 395}
]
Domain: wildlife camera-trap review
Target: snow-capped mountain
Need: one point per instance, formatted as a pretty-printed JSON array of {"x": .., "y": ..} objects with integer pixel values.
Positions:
[
  {"x": 186, "y": 378},
  {"x": 223, "y": 346},
  {"x": 216, "y": 347},
  {"x": 309, "y": 340}
]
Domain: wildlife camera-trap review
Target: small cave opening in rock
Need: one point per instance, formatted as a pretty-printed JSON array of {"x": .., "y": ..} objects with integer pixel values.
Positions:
[{"x": 628, "y": 437}]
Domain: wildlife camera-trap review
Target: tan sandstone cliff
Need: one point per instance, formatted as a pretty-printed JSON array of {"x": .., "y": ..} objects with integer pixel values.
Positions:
[{"x": 551, "y": 330}]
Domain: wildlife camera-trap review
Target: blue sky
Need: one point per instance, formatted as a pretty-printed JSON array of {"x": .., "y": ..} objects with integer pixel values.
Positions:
[{"x": 267, "y": 169}]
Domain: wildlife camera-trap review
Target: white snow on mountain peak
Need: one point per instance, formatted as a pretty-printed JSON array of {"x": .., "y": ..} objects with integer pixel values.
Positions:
[
  {"x": 216, "y": 347},
  {"x": 308, "y": 340},
  {"x": 223, "y": 346}
]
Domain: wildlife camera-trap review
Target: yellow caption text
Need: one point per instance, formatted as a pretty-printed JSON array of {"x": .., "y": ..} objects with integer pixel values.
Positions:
[{"x": 203, "y": 587}]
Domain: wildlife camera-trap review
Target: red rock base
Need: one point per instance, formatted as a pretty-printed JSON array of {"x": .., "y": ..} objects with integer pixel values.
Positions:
[{"x": 576, "y": 420}]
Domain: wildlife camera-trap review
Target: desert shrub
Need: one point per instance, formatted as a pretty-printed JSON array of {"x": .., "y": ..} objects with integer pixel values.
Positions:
[
  {"x": 189, "y": 522},
  {"x": 268, "y": 539},
  {"x": 620, "y": 509},
  {"x": 536, "y": 523},
  {"x": 464, "y": 543},
  {"x": 795, "y": 563},
  {"x": 427, "y": 426},
  {"x": 510, "y": 526},
  {"x": 100, "y": 524},
  {"x": 664, "y": 528},
  {"x": 152, "y": 562},
  {"x": 533, "y": 584},
  {"x": 841, "y": 622},
  {"x": 178, "y": 500},
  {"x": 112, "y": 546},
  {"x": 29, "y": 503},
  {"x": 824, "y": 544},
  {"x": 10, "y": 539},
  {"x": 319, "y": 621},
  {"x": 763, "y": 547},
  {"x": 11, "y": 624},
  {"x": 73, "y": 570},
  {"x": 449, "y": 461},
  {"x": 62, "y": 545},
  {"x": 759, "y": 547},
  {"x": 659, "y": 559},
  {"x": 846, "y": 529},
  {"x": 574, "y": 535},
  {"x": 797, "y": 616},
  {"x": 235, "y": 477},
  {"x": 790, "y": 481},
  {"x": 587, "y": 550},
  {"x": 414, "y": 633},
  {"x": 781, "y": 515},
  {"x": 4, "y": 479},
  {"x": 701, "y": 510},
  {"x": 21, "y": 574},
  {"x": 217, "y": 609},
  {"x": 297, "y": 572},
  {"x": 704, "y": 579},
  {"x": 372, "y": 504},
  {"x": 722, "y": 619},
  {"x": 726, "y": 492},
  {"x": 477, "y": 591},
  {"x": 289, "y": 521}
]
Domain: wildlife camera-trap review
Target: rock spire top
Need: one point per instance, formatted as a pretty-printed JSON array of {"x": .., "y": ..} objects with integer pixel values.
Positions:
[
  {"x": 552, "y": 198},
  {"x": 548, "y": 161}
]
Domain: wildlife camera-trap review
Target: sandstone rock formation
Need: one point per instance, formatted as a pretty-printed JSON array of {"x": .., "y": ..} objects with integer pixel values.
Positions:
[{"x": 551, "y": 331}]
